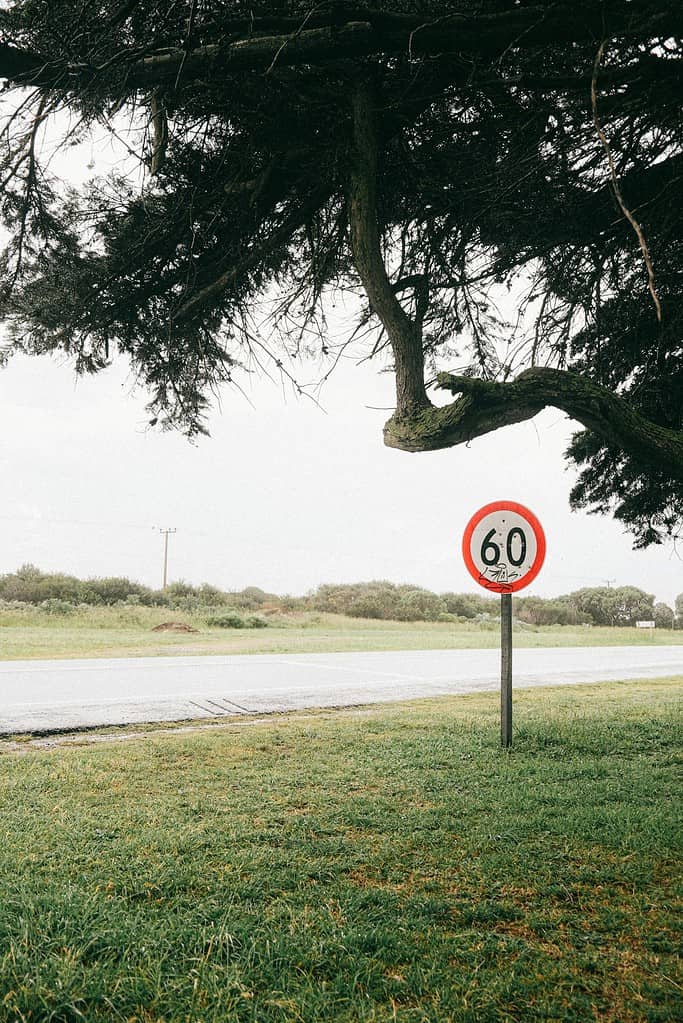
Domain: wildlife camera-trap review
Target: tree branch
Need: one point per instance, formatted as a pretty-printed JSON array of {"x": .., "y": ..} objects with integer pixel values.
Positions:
[
  {"x": 364, "y": 32},
  {"x": 485, "y": 406},
  {"x": 403, "y": 334},
  {"x": 279, "y": 236},
  {"x": 592, "y": 212}
]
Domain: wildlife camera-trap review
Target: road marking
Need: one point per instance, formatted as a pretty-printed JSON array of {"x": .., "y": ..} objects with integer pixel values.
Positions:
[
  {"x": 185, "y": 697},
  {"x": 206, "y": 710},
  {"x": 344, "y": 667},
  {"x": 155, "y": 664},
  {"x": 229, "y": 710}
]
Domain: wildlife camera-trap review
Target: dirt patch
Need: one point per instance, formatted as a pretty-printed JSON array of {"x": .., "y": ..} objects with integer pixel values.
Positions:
[{"x": 174, "y": 627}]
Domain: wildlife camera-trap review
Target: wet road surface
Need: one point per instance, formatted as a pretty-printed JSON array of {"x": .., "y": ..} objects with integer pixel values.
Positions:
[{"x": 65, "y": 694}]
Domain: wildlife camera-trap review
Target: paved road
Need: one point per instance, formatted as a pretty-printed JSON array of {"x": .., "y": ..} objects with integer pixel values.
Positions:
[{"x": 42, "y": 695}]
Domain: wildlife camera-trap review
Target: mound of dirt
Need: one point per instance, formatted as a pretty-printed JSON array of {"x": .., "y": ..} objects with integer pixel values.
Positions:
[{"x": 174, "y": 627}]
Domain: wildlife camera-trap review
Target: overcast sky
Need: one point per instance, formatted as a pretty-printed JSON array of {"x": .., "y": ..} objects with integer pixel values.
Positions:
[{"x": 282, "y": 495}]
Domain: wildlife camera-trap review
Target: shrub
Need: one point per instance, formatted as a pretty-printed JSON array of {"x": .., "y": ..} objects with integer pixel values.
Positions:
[
  {"x": 231, "y": 619},
  {"x": 464, "y": 605},
  {"x": 367, "y": 606},
  {"x": 255, "y": 595},
  {"x": 251, "y": 598},
  {"x": 228, "y": 620},
  {"x": 537, "y": 611},
  {"x": 209, "y": 595},
  {"x": 113, "y": 590},
  {"x": 376, "y": 599},
  {"x": 290, "y": 603},
  {"x": 16, "y": 605},
  {"x": 420, "y": 606},
  {"x": 488, "y": 623},
  {"x": 255, "y": 622},
  {"x": 54, "y": 606}
]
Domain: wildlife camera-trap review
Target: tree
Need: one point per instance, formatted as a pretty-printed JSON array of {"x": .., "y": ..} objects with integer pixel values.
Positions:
[
  {"x": 621, "y": 605},
  {"x": 537, "y": 611},
  {"x": 428, "y": 155},
  {"x": 632, "y": 605},
  {"x": 678, "y": 607},
  {"x": 663, "y": 616}
]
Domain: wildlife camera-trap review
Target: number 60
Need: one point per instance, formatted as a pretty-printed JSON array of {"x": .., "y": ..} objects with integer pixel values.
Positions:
[{"x": 490, "y": 551}]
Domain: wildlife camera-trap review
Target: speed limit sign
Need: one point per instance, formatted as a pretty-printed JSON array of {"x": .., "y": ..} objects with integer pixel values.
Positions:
[
  {"x": 504, "y": 549},
  {"x": 504, "y": 546}
]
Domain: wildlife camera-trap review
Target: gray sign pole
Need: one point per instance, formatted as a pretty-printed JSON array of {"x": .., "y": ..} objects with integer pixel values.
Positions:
[{"x": 506, "y": 669}]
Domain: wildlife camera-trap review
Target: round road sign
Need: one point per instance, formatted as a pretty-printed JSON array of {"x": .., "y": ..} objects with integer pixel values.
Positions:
[{"x": 504, "y": 546}]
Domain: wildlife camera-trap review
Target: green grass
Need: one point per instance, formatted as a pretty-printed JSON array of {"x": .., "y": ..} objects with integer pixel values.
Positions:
[
  {"x": 387, "y": 865},
  {"x": 127, "y": 632}
]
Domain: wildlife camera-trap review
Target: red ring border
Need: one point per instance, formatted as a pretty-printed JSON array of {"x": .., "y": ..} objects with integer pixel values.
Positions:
[{"x": 537, "y": 528}]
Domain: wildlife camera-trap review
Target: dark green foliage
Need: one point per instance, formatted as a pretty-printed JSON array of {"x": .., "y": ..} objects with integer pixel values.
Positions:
[
  {"x": 663, "y": 616},
  {"x": 380, "y": 599},
  {"x": 466, "y": 605},
  {"x": 621, "y": 605},
  {"x": 230, "y": 619},
  {"x": 32, "y": 586},
  {"x": 419, "y": 606},
  {"x": 54, "y": 606},
  {"x": 252, "y": 597},
  {"x": 678, "y": 607},
  {"x": 563, "y": 611},
  {"x": 491, "y": 174}
]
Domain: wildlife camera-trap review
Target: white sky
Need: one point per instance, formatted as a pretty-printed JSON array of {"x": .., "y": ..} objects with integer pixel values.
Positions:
[{"x": 282, "y": 495}]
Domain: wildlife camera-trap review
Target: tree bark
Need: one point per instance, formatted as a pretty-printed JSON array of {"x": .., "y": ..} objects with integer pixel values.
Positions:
[
  {"x": 484, "y": 406},
  {"x": 403, "y": 334}
]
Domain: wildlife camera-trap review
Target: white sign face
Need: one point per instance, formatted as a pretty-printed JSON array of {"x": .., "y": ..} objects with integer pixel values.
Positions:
[{"x": 504, "y": 546}]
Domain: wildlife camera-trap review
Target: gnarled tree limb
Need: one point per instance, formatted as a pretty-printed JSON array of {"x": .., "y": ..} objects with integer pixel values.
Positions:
[
  {"x": 484, "y": 406},
  {"x": 363, "y": 32},
  {"x": 403, "y": 334}
]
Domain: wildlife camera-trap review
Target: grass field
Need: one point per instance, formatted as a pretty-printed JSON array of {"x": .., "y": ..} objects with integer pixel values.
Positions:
[
  {"x": 127, "y": 632},
  {"x": 358, "y": 867}
]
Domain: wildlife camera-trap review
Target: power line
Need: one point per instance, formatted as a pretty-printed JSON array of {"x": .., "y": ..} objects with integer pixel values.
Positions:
[{"x": 104, "y": 524}]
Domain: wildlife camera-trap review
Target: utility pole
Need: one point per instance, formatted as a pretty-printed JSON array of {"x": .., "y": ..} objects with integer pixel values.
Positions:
[
  {"x": 165, "y": 534},
  {"x": 609, "y": 587}
]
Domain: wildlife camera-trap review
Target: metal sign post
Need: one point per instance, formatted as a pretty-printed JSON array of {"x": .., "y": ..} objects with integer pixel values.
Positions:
[
  {"x": 504, "y": 549},
  {"x": 506, "y": 669}
]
